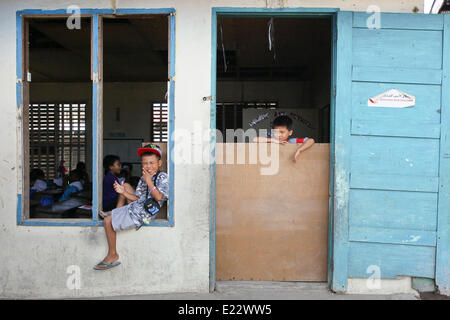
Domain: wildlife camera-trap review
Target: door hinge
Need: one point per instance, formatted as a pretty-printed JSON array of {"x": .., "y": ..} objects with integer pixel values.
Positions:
[{"x": 210, "y": 98}]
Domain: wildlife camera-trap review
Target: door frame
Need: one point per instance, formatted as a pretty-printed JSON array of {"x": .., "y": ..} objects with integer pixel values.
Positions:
[{"x": 269, "y": 12}]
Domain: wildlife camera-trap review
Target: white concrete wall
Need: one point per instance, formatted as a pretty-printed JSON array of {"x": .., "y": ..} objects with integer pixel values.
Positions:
[
  {"x": 34, "y": 260},
  {"x": 381, "y": 286}
]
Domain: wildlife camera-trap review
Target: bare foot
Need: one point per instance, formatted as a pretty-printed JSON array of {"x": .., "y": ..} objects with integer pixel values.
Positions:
[{"x": 110, "y": 258}]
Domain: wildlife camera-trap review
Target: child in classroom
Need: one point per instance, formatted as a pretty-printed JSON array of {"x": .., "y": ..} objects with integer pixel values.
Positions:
[{"x": 282, "y": 132}]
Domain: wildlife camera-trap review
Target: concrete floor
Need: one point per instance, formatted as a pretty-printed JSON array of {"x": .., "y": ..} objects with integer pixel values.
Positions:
[{"x": 252, "y": 290}]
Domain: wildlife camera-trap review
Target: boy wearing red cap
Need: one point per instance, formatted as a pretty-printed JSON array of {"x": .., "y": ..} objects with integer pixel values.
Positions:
[{"x": 152, "y": 191}]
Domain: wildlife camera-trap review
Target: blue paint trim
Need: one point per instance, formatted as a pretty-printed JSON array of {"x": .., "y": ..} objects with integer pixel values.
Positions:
[
  {"x": 95, "y": 92},
  {"x": 332, "y": 130},
  {"x": 392, "y": 236},
  {"x": 61, "y": 223},
  {"x": 64, "y": 11},
  {"x": 391, "y": 128},
  {"x": 402, "y": 21},
  {"x": 171, "y": 204},
  {"x": 95, "y": 68},
  {"x": 424, "y": 76},
  {"x": 19, "y": 49},
  {"x": 80, "y": 224},
  {"x": 394, "y": 182},
  {"x": 393, "y": 260},
  {"x": 19, "y": 54},
  {"x": 19, "y": 209},
  {"x": 171, "y": 141},
  {"x": 95, "y": 42},
  {"x": 163, "y": 223},
  {"x": 260, "y": 12},
  {"x": 342, "y": 146},
  {"x": 97, "y": 11},
  {"x": 443, "y": 227},
  {"x": 240, "y": 11},
  {"x": 212, "y": 214},
  {"x": 172, "y": 26},
  {"x": 146, "y": 11},
  {"x": 18, "y": 94}
]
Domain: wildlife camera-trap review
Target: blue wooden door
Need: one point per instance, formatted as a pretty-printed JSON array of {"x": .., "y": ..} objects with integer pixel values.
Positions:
[{"x": 391, "y": 171}]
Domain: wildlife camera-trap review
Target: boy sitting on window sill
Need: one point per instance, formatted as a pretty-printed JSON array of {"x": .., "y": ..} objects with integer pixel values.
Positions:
[{"x": 153, "y": 185}]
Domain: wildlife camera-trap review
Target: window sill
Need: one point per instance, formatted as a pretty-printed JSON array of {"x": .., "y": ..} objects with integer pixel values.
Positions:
[{"x": 83, "y": 223}]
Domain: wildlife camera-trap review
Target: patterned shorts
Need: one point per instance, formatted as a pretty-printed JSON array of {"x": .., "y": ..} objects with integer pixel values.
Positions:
[{"x": 121, "y": 219}]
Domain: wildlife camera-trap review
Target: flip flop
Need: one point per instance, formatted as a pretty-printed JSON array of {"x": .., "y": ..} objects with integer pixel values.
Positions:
[
  {"x": 107, "y": 213},
  {"x": 108, "y": 265}
]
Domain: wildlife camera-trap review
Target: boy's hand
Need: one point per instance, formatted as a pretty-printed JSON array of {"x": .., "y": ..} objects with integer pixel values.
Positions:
[
  {"x": 119, "y": 188},
  {"x": 148, "y": 177},
  {"x": 304, "y": 146},
  {"x": 297, "y": 155},
  {"x": 278, "y": 141}
]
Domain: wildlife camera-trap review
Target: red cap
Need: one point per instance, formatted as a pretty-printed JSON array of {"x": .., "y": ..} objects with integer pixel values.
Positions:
[{"x": 152, "y": 148}]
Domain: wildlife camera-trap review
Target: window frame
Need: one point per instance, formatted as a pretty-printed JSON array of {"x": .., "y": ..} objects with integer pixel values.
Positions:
[{"x": 22, "y": 100}]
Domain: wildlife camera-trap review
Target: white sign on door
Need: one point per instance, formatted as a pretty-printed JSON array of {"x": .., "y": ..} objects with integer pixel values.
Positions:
[{"x": 392, "y": 99}]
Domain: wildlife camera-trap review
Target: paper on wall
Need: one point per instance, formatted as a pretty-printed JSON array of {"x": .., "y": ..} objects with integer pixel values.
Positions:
[{"x": 392, "y": 99}]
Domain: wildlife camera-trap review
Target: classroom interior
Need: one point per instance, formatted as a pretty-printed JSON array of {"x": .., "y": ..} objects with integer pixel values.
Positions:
[
  {"x": 135, "y": 73},
  {"x": 272, "y": 66}
]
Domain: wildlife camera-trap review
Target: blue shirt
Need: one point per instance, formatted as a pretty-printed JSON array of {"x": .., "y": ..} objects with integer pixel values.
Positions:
[
  {"x": 297, "y": 140},
  {"x": 109, "y": 194},
  {"x": 74, "y": 187}
]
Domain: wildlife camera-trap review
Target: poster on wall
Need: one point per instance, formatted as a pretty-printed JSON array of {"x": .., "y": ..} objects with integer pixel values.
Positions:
[{"x": 392, "y": 99}]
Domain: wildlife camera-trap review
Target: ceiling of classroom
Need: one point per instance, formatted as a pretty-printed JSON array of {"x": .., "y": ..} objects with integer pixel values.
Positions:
[
  {"x": 298, "y": 46},
  {"x": 133, "y": 50},
  {"x": 137, "y": 49}
]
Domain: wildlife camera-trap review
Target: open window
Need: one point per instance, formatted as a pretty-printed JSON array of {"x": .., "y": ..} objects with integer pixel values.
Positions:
[
  {"x": 103, "y": 87},
  {"x": 135, "y": 73},
  {"x": 57, "y": 119}
]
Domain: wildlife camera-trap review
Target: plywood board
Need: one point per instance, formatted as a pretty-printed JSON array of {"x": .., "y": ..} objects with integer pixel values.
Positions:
[{"x": 273, "y": 227}]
